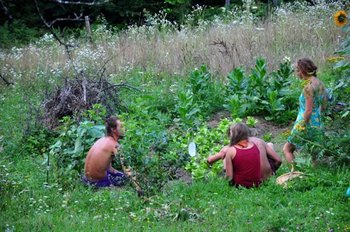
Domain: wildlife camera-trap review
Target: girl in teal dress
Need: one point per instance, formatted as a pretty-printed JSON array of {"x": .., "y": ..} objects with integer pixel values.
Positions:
[{"x": 312, "y": 102}]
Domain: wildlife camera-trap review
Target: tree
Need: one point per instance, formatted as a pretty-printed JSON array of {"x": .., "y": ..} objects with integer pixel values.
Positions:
[{"x": 227, "y": 4}]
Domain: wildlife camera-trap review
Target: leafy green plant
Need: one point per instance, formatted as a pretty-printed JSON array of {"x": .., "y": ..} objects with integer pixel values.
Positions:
[
  {"x": 187, "y": 109},
  {"x": 37, "y": 143},
  {"x": 73, "y": 142},
  {"x": 251, "y": 121},
  {"x": 267, "y": 137},
  {"x": 209, "y": 142},
  {"x": 275, "y": 106},
  {"x": 238, "y": 100},
  {"x": 261, "y": 93},
  {"x": 200, "y": 97},
  {"x": 342, "y": 85},
  {"x": 257, "y": 79},
  {"x": 144, "y": 148},
  {"x": 281, "y": 94},
  {"x": 330, "y": 148}
]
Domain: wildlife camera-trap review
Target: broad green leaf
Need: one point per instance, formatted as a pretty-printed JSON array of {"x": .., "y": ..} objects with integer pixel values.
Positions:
[{"x": 78, "y": 145}]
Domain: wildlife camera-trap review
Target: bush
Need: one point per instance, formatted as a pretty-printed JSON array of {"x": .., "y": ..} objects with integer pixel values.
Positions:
[
  {"x": 200, "y": 97},
  {"x": 37, "y": 142},
  {"x": 144, "y": 147},
  {"x": 16, "y": 34},
  {"x": 73, "y": 142},
  {"x": 261, "y": 93},
  {"x": 331, "y": 148}
]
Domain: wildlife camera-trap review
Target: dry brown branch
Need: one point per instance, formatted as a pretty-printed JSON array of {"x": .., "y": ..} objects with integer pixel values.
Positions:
[
  {"x": 49, "y": 26},
  {"x": 90, "y": 3},
  {"x": 77, "y": 18},
  {"x": 223, "y": 47},
  {"x": 7, "y": 82},
  {"x": 132, "y": 176},
  {"x": 102, "y": 70},
  {"x": 68, "y": 47},
  {"x": 80, "y": 94},
  {"x": 6, "y": 11}
]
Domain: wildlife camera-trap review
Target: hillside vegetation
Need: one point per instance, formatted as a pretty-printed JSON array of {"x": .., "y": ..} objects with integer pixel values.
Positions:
[{"x": 173, "y": 84}]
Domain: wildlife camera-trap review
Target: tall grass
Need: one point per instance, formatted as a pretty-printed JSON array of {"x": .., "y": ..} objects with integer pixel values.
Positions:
[{"x": 222, "y": 44}]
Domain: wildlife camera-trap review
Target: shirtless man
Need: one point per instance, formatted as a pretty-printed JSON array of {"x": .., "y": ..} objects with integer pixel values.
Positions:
[
  {"x": 256, "y": 160},
  {"x": 98, "y": 168}
]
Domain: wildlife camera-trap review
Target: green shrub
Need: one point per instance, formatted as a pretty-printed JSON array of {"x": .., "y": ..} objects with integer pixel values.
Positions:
[
  {"x": 331, "y": 148},
  {"x": 73, "y": 142},
  {"x": 144, "y": 148},
  {"x": 16, "y": 34},
  {"x": 262, "y": 94},
  {"x": 200, "y": 97},
  {"x": 37, "y": 142}
]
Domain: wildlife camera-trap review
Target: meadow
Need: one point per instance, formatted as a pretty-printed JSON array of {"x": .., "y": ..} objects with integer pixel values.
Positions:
[{"x": 171, "y": 85}]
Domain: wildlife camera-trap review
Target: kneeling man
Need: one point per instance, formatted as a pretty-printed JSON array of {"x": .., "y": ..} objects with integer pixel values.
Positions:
[{"x": 98, "y": 164}]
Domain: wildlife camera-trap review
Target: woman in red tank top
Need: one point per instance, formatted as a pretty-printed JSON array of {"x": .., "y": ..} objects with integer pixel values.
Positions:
[
  {"x": 247, "y": 160},
  {"x": 242, "y": 158}
]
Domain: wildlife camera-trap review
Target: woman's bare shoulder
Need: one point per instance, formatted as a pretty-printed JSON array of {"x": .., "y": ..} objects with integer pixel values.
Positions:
[
  {"x": 231, "y": 151},
  {"x": 309, "y": 90}
]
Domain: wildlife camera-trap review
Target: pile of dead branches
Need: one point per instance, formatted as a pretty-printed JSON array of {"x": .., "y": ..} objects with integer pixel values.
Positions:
[{"x": 80, "y": 94}]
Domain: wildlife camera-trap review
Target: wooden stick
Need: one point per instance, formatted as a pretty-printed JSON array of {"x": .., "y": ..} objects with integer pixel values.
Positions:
[{"x": 132, "y": 177}]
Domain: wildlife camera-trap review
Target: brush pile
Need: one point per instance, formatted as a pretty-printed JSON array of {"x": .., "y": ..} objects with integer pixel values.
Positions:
[{"x": 78, "y": 95}]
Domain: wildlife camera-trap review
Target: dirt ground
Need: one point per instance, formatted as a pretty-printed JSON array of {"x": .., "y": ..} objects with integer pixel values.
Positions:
[{"x": 262, "y": 127}]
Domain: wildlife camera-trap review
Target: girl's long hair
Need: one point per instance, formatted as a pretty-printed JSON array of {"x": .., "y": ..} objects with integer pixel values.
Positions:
[
  {"x": 307, "y": 66},
  {"x": 238, "y": 132}
]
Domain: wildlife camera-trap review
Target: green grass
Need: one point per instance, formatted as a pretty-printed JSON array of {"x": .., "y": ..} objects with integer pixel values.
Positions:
[{"x": 314, "y": 203}]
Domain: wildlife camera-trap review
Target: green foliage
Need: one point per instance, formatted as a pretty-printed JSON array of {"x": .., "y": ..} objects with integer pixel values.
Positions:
[
  {"x": 17, "y": 33},
  {"x": 145, "y": 148},
  {"x": 209, "y": 142},
  {"x": 37, "y": 142},
  {"x": 200, "y": 97},
  {"x": 260, "y": 93},
  {"x": 342, "y": 86},
  {"x": 176, "y": 2},
  {"x": 73, "y": 142},
  {"x": 331, "y": 148},
  {"x": 188, "y": 110},
  {"x": 267, "y": 137},
  {"x": 251, "y": 121}
]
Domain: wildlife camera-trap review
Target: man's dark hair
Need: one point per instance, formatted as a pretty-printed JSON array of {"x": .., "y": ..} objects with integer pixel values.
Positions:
[
  {"x": 111, "y": 123},
  {"x": 238, "y": 132}
]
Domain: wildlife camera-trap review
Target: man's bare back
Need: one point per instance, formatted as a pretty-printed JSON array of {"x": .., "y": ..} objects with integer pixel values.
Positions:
[
  {"x": 98, "y": 163},
  {"x": 99, "y": 158},
  {"x": 265, "y": 151}
]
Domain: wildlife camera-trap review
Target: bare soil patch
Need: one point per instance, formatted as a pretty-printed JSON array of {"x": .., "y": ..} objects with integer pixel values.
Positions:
[{"x": 262, "y": 127}]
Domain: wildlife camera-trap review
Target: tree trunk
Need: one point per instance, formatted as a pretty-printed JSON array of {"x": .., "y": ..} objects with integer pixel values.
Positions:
[
  {"x": 6, "y": 11},
  {"x": 227, "y": 4},
  {"x": 88, "y": 28}
]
